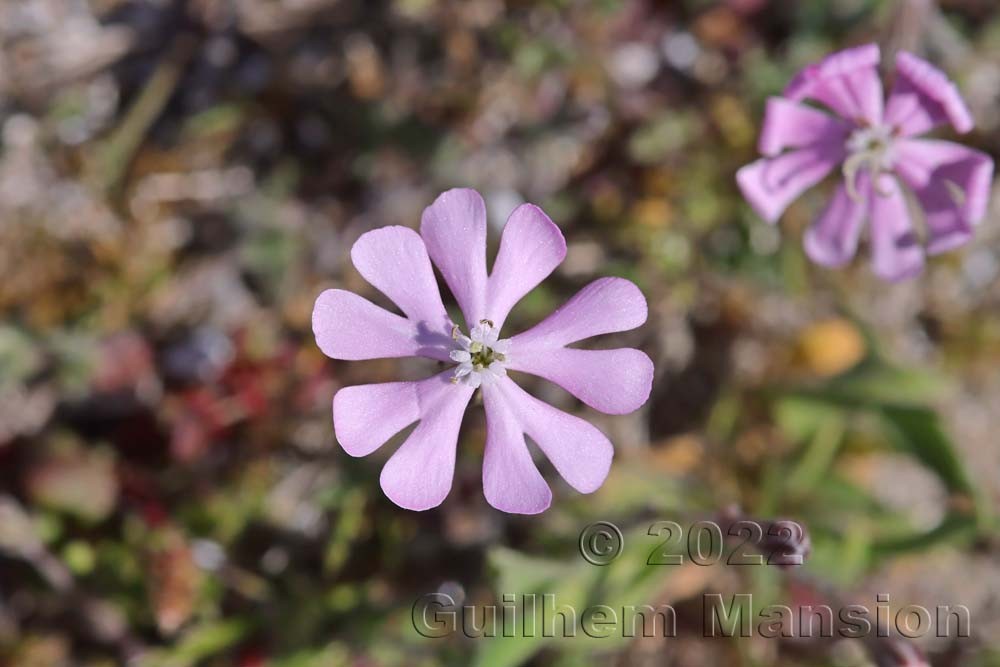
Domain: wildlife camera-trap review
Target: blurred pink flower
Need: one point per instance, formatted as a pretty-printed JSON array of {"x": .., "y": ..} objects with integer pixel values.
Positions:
[
  {"x": 884, "y": 165},
  {"x": 397, "y": 261}
]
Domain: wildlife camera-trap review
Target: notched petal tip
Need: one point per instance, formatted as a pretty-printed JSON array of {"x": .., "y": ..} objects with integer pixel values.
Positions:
[
  {"x": 947, "y": 242},
  {"x": 825, "y": 253},
  {"x": 836, "y": 64},
  {"x": 531, "y": 247},
  {"x": 606, "y": 305},
  {"x": 578, "y": 450},
  {"x": 788, "y": 124},
  {"x": 374, "y": 245},
  {"x": 630, "y": 293},
  {"x": 615, "y": 382},
  {"x": 375, "y": 237},
  {"x": 453, "y": 228},
  {"x": 749, "y": 181},
  {"x": 419, "y": 475},
  {"x": 536, "y": 216},
  {"x": 394, "y": 260},
  {"x": 770, "y": 185},
  {"x": 351, "y": 328},
  {"x": 644, "y": 375},
  {"x": 937, "y": 88},
  {"x": 595, "y": 480},
  {"x": 408, "y": 502},
  {"x": 457, "y": 206},
  {"x": 366, "y": 416},
  {"x": 527, "y": 510},
  {"x": 513, "y": 503},
  {"x": 458, "y": 192},
  {"x": 324, "y": 317}
]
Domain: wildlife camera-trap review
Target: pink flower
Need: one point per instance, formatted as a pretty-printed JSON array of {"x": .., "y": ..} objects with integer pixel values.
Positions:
[
  {"x": 397, "y": 261},
  {"x": 884, "y": 165}
]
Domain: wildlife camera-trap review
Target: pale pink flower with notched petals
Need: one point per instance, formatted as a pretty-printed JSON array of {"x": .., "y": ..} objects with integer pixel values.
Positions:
[
  {"x": 907, "y": 187},
  {"x": 397, "y": 261}
]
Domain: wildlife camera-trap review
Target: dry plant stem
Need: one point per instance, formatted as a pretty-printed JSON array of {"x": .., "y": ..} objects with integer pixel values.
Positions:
[
  {"x": 918, "y": 26},
  {"x": 907, "y": 23},
  {"x": 112, "y": 158}
]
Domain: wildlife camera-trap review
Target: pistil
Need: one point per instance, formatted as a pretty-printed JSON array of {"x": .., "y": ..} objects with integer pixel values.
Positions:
[{"x": 871, "y": 148}]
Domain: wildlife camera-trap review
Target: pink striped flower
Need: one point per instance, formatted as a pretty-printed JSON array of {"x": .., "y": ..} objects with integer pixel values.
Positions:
[
  {"x": 920, "y": 195},
  {"x": 397, "y": 261}
]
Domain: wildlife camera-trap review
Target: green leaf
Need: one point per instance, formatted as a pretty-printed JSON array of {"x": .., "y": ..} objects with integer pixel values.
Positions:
[
  {"x": 523, "y": 575},
  {"x": 955, "y": 527},
  {"x": 199, "y": 643},
  {"x": 800, "y": 418},
  {"x": 898, "y": 400},
  {"x": 919, "y": 432},
  {"x": 625, "y": 582},
  {"x": 879, "y": 382},
  {"x": 818, "y": 457}
]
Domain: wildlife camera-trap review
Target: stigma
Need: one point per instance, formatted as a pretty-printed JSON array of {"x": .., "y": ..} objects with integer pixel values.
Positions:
[
  {"x": 869, "y": 148},
  {"x": 482, "y": 357}
]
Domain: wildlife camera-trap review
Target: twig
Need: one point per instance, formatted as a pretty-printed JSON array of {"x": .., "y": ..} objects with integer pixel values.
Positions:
[{"x": 112, "y": 158}]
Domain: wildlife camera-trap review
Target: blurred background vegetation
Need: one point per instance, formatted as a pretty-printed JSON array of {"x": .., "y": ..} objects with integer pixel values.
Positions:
[{"x": 180, "y": 179}]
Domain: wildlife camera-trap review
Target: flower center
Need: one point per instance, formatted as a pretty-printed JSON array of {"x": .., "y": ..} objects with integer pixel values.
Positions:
[
  {"x": 870, "y": 148},
  {"x": 482, "y": 357}
]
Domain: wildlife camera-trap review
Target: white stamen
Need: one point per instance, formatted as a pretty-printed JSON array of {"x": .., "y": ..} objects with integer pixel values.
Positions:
[
  {"x": 461, "y": 356},
  {"x": 482, "y": 357},
  {"x": 871, "y": 148}
]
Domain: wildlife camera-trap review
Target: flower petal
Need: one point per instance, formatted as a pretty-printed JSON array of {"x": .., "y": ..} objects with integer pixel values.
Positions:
[
  {"x": 366, "y": 416},
  {"x": 952, "y": 183},
  {"x": 350, "y": 327},
  {"x": 394, "y": 260},
  {"x": 578, "y": 450},
  {"x": 847, "y": 81},
  {"x": 789, "y": 124},
  {"x": 771, "y": 184},
  {"x": 454, "y": 231},
  {"x": 531, "y": 248},
  {"x": 511, "y": 481},
  {"x": 832, "y": 240},
  {"x": 896, "y": 251},
  {"x": 923, "y": 97},
  {"x": 613, "y": 381},
  {"x": 604, "y": 306},
  {"x": 418, "y": 476}
]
